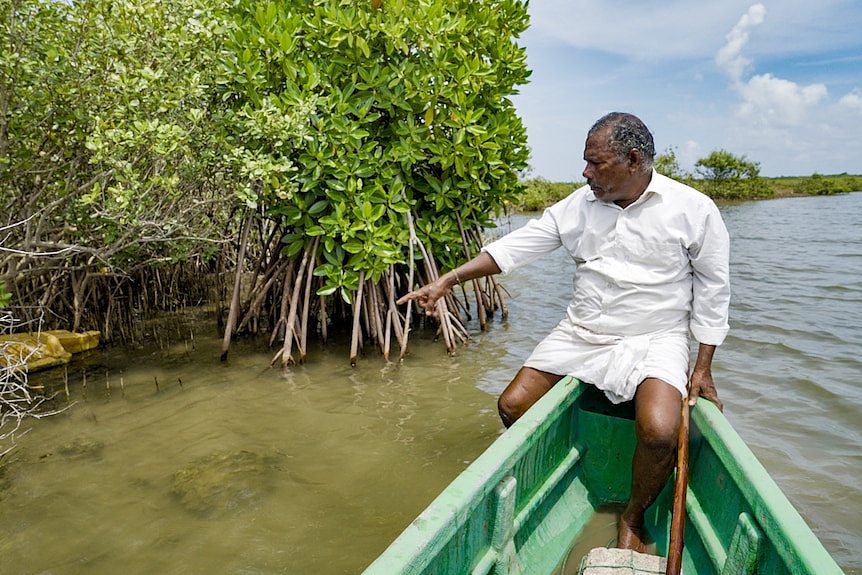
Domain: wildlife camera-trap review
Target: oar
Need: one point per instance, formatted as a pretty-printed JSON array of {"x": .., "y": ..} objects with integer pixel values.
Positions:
[{"x": 677, "y": 522}]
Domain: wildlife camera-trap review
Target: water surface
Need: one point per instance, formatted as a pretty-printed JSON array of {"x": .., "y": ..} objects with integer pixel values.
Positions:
[{"x": 238, "y": 468}]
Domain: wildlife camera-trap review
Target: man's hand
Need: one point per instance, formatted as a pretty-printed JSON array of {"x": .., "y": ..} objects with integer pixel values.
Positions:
[
  {"x": 700, "y": 381},
  {"x": 427, "y": 296},
  {"x": 700, "y": 384}
]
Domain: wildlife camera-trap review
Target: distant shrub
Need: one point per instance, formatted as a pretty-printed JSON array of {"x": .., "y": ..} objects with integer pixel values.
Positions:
[
  {"x": 667, "y": 164},
  {"x": 734, "y": 188},
  {"x": 820, "y": 185}
]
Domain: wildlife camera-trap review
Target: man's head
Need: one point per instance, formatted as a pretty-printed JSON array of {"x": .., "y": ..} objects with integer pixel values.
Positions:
[
  {"x": 619, "y": 153},
  {"x": 626, "y": 133}
]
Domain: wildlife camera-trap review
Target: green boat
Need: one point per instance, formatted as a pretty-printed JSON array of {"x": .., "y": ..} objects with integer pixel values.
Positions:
[{"x": 520, "y": 506}]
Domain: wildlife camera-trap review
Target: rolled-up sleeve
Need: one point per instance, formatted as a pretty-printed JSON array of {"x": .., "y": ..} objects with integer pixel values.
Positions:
[
  {"x": 527, "y": 243},
  {"x": 710, "y": 260}
]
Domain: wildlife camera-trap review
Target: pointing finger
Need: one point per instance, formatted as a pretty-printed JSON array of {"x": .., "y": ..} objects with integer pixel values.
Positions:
[{"x": 407, "y": 297}]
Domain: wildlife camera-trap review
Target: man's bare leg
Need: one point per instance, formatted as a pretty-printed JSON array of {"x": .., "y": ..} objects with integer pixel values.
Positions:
[
  {"x": 523, "y": 391},
  {"x": 657, "y": 419}
]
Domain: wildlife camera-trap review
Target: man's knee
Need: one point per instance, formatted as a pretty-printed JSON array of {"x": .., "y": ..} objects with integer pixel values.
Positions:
[
  {"x": 657, "y": 433},
  {"x": 658, "y": 415},
  {"x": 528, "y": 386},
  {"x": 510, "y": 407}
]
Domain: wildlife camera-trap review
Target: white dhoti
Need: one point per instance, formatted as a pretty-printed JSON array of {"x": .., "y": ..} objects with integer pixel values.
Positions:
[{"x": 614, "y": 364}]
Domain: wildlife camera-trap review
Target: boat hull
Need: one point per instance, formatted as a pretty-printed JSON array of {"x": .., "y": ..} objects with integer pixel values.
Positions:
[{"x": 519, "y": 507}]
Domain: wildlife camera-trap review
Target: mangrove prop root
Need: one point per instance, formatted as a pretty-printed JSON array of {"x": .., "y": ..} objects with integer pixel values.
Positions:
[
  {"x": 286, "y": 357},
  {"x": 411, "y": 270},
  {"x": 480, "y": 308},
  {"x": 255, "y": 306},
  {"x": 324, "y": 332},
  {"x": 357, "y": 306},
  {"x": 257, "y": 288},
  {"x": 499, "y": 289},
  {"x": 442, "y": 307},
  {"x": 377, "y": 319},
  {"x": 281, "y": 325},
  {"x": 306, "y": 304},
  {"x": 234, "y": 304}
]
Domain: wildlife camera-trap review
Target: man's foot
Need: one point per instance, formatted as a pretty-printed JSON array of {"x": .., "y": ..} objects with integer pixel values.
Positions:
[{"x": 630, "y": 536}]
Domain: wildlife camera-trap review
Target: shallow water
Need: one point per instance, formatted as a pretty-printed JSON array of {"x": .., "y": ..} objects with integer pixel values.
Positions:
[
  {"x": 600, "y": 531},
  {"x": 238, "y": 468}
]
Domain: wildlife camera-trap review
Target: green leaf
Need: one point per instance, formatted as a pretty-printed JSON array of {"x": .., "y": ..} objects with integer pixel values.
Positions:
[
  {"x": 292, "y": 250},
  {"x": 353, "y": 246},
  {"x": 347, "y": 296},
  {"x": 327, "y": 290},
  {"x": 318, "y": 207},
  {"x": 363, "y": 46}
]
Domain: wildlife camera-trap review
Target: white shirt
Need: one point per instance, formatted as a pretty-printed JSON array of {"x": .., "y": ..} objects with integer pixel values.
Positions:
[{"x": 655, "y": 265}]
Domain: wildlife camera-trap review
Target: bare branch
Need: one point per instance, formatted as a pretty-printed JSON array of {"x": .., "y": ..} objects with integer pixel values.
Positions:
[{"x": 18, "y": 401}]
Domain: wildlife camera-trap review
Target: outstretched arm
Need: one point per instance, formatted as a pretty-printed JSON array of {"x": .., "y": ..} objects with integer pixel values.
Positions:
[
  {"x": 700, "y": 382},
  {"x": 427, "y": 296}
]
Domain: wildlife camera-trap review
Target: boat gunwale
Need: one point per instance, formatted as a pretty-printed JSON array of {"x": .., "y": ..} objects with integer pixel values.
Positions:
[
  {"x": 774, "y": 511},
  {"x": 434, "y": 527}
]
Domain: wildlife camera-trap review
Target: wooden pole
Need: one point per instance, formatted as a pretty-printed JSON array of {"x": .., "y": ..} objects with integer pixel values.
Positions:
[{"x": 677, "y": 523}]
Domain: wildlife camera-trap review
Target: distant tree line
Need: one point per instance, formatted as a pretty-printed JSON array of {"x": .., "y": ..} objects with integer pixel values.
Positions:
[{"x": 721, "y": 175}]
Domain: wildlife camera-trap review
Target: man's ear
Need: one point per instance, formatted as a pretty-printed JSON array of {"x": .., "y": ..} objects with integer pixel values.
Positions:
[{"x": 634, "y": 158}]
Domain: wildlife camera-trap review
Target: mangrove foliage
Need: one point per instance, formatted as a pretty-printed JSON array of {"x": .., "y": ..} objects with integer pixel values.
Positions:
[{"x": 305, "y": 162}]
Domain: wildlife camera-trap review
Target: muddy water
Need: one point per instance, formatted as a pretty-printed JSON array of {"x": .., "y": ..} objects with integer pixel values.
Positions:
[
  {"x": 241, "y": 469},
  {"x": 237, "y": 468}
]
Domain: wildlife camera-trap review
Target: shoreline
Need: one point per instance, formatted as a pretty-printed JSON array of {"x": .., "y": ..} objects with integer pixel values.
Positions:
[{"x": 542, "y": 193}]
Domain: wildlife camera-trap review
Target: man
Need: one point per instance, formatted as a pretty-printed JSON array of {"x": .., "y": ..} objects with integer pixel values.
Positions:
[{"x": 651, "y": 257}]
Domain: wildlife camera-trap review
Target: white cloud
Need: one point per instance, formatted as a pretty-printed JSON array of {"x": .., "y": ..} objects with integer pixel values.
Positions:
[
  {"x": 766, "y": 99},
  {"x": 826, "y": 143},
  {"x": 853, "y": 101},
  {"x": 730, "y": 58},
  {"x": 662, "y": 30},
  {"x": 660, "y": 61},
  {"x": 772, "y": 100},
  {"x": 669, "y": 29}
]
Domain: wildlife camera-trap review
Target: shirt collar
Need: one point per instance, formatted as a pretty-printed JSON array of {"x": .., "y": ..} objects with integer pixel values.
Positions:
[{"x": 652, "y": 188}]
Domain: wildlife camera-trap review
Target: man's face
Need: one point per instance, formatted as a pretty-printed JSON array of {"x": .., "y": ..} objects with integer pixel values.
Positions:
[{"x": 610, "y": 177}]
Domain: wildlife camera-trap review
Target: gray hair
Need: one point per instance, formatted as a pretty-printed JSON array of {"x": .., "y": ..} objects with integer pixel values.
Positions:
[{"x": 627, "y": 132}]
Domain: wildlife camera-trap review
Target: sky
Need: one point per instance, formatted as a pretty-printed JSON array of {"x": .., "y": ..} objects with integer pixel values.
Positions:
[{"x": 779, "y": 82}]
